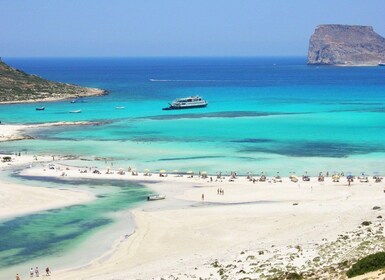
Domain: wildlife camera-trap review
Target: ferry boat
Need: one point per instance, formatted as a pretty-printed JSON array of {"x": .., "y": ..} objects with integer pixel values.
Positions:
[{"x": 187, "y": 103}]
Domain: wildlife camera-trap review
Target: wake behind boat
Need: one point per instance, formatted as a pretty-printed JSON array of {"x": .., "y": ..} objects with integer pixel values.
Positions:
[
  {"x": 76, "y": 111},
  {"x": 187, "y": 103}
]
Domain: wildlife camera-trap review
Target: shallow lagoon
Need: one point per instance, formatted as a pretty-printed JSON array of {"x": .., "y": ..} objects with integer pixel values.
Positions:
[{"x": 54, "y": 236}]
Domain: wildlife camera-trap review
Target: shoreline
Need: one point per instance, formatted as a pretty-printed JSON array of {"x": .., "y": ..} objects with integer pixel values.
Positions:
[
  {"x": 15, "y": 132},
  {"x": 91, "y": 92},
  {"x": 18, "y": 199},
  {"x": 160, "y": 219},
  {"x": 312, "y": 215}
]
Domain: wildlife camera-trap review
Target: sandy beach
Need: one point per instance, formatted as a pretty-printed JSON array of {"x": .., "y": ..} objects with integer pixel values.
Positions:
[
  {"x": 258, "y": 230},
  {"x": 13, "y": 132},
  {"x": 17, "y": 199}
]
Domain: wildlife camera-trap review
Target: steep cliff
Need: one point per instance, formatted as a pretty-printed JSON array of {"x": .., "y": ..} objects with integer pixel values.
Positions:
[
  {"x": 334, "y": 44},
  {"x": 18, "y": 86}
]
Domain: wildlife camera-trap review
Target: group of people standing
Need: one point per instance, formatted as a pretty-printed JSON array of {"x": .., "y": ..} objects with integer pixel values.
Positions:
[
  {"x": 35, "y": 273},
  {"x": 220, "y": 191}
]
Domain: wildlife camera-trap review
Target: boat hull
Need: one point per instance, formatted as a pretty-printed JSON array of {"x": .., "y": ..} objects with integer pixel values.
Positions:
[
  {"x": 155, "y": 197},
  {"x": 185, "y": 107}
]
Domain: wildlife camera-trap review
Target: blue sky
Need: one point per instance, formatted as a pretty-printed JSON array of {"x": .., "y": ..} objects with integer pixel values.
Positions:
[{"x": 173, "y": 27}]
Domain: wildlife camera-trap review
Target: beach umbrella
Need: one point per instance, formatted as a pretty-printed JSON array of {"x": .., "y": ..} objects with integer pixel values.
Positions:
[
  {"x": 146, "y": 170},
  {"x": 162, "y": 171},
  {"x": 190, "y": 172},
  {"x": 175, "y": 171},
  {"x": 335, "y": 176},
  {"x": 349, "y": 177}
]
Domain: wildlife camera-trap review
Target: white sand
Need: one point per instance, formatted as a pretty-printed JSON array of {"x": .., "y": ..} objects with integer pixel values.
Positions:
[
  {"x": 16, "y": 199},
  {"x": 182, "y": 236},
  {"x": 13, "y": 132}
]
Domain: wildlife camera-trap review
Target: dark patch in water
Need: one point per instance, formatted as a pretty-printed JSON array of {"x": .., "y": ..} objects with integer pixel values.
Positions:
[
  {"x": 316, "y": 149},
  {"x": 95, "y": 223},
  {"x": 252, "y": 140},
  {"x": 91, "y": 183},
  {"x": 76, "y": 221},
  {"x": 233, "y": 114},
  {"x": 189, "y": 158},
  {"x": 36, "y": 246}
]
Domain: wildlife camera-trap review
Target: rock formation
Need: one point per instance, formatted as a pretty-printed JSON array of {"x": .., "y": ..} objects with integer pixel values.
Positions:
[
  {"x": 18, "y": 86},
  {"x": 350, "y": 45}
]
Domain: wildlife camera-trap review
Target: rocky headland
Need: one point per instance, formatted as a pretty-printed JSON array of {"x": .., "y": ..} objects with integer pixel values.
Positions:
[
  {"x": 17, "y": 86},
  {"x": 346, "y": 45}
]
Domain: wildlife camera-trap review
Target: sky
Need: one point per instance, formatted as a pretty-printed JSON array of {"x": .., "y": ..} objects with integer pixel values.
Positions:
[{"x": 116, "y": 28}]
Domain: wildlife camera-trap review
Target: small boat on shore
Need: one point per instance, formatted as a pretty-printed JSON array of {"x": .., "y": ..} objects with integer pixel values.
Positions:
[
  {"x": 40, "y": 108},
  {"x": 155, "y": 197},
  {"x": 187, "y": 103},
  {"x": 76, "y": 111}
]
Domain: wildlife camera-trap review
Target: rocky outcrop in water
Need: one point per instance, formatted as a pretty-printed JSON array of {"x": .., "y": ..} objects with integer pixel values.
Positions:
[{"x": 350, "y": 45}]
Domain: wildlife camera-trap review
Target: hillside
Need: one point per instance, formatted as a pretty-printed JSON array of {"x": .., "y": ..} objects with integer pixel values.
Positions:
[
  {"x": 18, "y": 86},
  {"x": 349, "y": 45}
]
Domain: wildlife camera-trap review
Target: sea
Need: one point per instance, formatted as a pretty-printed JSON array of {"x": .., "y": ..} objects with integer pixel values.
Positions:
[{"x": 264, "y": 114}]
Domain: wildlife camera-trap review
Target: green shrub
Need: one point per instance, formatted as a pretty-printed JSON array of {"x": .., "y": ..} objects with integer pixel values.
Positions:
[
  {"x": 370, "y": 263},
  {"x": 293, "y": 276}
]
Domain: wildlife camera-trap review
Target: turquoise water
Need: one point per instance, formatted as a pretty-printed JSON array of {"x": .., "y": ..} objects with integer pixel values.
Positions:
[{"x": 264, "y": 114}]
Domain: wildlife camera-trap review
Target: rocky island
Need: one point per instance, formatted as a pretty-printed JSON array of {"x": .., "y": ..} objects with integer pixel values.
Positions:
[
  {"x": 17, "y": 86},
  {"x": 346, "y": 45}
]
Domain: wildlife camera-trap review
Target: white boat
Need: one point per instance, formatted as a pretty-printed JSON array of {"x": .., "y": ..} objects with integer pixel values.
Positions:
[
  {"x": 76, "y": 111},
  {"x": 155, "y": 197},
  {"x": 119, "y": 107},
  {"x": 381, "y": 64},
  {"x": 187, "y": 103}
]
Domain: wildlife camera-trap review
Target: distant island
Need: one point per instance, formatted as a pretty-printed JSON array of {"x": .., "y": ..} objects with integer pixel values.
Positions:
[
  {"x": 17, "y": 86},
  {"x": 346, "y": 45}
]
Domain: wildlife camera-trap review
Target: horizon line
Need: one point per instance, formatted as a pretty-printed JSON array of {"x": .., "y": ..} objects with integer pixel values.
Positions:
[{"x": 161, "y": 56}]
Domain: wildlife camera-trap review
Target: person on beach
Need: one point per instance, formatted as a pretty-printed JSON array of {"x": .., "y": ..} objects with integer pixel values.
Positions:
[
  {"x": 47, "y": 271},
  {"x": 37, "y": 272},
  {"x": 203, "y": 196},
  {"x": 17, "y": 276},
  {"x": 31, "y": 272}
]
